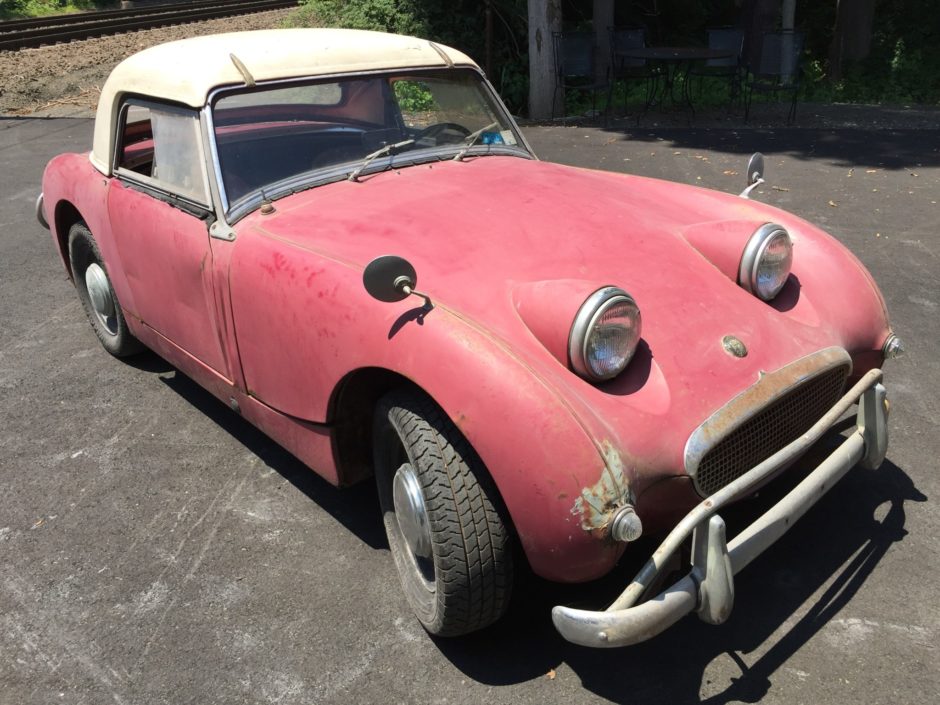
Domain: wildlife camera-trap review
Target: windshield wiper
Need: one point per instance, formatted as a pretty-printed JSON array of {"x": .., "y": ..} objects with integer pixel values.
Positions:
[
  {"x": 471, "y": 140},
  {"x": 384, "y": 151}
]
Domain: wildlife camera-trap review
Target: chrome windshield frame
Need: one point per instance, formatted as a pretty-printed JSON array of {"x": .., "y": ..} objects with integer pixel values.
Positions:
[{"x": 233, "y": 212}]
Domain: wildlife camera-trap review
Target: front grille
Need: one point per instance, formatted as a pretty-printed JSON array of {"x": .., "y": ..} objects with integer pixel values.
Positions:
[{"x": 780, "y": 423}]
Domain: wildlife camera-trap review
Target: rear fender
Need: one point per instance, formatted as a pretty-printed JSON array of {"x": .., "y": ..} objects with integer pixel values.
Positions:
[{"x": 72, "y": 185}]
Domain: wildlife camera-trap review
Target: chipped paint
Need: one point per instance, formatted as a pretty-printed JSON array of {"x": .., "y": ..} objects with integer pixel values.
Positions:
[{"x": 595, "y": 505}]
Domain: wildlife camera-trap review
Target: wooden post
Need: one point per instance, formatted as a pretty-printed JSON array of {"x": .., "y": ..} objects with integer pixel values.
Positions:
[
  {"x": 851, "y": 38},
  {"x": 544, "y": 19},
  {"x": 603, "y": 18},
  {"x": 488, "y": 59}
]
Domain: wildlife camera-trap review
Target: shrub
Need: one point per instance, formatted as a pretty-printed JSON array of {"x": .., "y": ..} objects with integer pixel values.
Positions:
[
  {"x": 398, "y": 16},
  {"x": 37, "y": 8}
]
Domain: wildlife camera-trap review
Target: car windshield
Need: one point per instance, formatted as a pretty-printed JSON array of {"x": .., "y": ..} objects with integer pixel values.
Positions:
[{"x": 281, "y": 134}]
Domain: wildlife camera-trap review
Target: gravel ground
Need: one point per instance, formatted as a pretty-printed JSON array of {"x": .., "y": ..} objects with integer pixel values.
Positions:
[{"x": 70, "y": 75}]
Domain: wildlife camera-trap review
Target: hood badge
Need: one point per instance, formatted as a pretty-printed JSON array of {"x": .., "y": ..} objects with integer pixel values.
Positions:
[{"x": 734, "y": 346}]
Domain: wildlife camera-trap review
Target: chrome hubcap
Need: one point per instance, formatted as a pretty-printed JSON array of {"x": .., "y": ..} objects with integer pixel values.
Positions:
[
  {"x": 99, "y": 293},
  {"x": 411, "y": 512}
]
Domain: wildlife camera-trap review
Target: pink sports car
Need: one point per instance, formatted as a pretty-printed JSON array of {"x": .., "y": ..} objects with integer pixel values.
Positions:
[{"x": 344, "y": 236}]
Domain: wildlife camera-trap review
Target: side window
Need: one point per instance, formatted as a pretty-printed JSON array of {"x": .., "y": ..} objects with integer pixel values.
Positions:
[
  {"x": 162, "y": 144},
  {"x": 137, "y": 141}
]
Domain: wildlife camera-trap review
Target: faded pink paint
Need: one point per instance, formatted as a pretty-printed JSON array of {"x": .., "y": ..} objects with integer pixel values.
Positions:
[
  {"x": 165, "y": 254},
  {"x": 507, "y": 249}
]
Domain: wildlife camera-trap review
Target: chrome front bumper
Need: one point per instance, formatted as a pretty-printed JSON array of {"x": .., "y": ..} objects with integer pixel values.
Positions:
[{"x": 708, "y": 589}]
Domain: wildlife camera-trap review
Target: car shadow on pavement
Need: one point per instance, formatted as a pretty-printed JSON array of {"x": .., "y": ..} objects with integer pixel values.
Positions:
[
  {"x": 148, "y": 361},
  {"x": 887, "y": 149},
  {"x": 783, "y": 600},
  {"x": 356, "y": 507}
]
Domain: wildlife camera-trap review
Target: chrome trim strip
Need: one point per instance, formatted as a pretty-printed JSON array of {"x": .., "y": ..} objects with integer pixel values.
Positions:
[{"x": 216, "y": 164}]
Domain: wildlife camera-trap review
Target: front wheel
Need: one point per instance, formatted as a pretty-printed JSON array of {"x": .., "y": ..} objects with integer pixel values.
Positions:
[
  {"x": 97, "y": 295},
  {"x": 451, "y": 547}
]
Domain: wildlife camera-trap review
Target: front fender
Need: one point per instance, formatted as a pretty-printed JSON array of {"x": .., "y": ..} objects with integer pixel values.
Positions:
[
  {"x": 304, "y": 321},
  {"x": 835, "y": 291},
  {"x": 558, "y": 486}
]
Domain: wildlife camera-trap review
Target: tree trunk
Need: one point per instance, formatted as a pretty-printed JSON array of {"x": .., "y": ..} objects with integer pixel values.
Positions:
[
  {"x": 544, "y": 19},
  {"x": 602, "y": 19},
  {"x": 788, "y": 15},
  {"x": 759, "y": 17},
  {"x": 851, "y": 39}
]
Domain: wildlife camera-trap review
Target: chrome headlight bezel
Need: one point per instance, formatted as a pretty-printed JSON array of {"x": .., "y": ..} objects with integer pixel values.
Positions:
[
  {"x": 752, "y": 258},
  {"x": 585, "y": 325}
]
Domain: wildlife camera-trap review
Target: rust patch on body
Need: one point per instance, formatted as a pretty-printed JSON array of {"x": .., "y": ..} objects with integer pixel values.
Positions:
[{"x": 596, "y": 504}]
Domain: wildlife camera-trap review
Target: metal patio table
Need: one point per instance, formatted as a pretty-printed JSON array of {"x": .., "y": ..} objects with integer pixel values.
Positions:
[{"x": 675, "y": 62}]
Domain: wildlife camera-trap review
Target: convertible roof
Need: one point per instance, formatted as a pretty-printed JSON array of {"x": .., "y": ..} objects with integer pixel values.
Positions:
[{"x": 186, "y": 71}]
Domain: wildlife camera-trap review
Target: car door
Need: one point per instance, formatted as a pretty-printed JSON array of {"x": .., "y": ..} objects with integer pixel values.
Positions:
[{"x": 159, "y": 206}]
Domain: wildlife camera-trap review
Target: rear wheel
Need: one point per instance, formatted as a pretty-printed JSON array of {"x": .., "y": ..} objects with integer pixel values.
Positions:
[
  {"x": 451, "y": 547},
  {"x": 97, "y": 295}
]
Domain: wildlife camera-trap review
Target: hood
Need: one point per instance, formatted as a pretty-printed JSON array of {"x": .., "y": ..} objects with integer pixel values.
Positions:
[{"x": 489, "y": 234}]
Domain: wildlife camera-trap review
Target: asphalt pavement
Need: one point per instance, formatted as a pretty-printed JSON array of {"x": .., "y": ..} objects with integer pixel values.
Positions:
[{"x": 154, "y": 548}]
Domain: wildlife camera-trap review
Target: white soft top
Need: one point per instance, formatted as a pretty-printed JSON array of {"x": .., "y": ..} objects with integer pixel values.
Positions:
[{"x": 186, "y": 71}]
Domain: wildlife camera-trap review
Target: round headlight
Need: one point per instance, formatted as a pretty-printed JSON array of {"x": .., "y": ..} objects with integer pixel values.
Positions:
[
  {"x": 766, "y": 262},
  {"x": 604, "y": 334}
]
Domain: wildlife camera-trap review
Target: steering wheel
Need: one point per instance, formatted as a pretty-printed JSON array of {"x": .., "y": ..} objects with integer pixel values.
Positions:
[{"x": 439, "y": 128}]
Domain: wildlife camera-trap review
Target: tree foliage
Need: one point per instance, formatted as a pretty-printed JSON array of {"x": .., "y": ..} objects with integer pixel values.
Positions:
[
  {"x": 36, "y": 8},
  {"x": 903, "y": 64},
  {"x": 456, "y": 23}
]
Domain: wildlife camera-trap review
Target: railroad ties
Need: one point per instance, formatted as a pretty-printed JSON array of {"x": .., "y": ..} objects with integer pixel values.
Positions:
[{"x": 19, "y": 34}]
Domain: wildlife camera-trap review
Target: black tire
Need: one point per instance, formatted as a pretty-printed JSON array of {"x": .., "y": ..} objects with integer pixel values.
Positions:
[
  {"x": 466, "y": 582},
  {"x": 111, "y": 328}
]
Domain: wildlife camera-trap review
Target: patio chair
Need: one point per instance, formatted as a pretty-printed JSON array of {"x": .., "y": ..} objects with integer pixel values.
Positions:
[
  {"x": 777, "y": 71},
  {"x": 625, "y": 68},
  {"x": 574, "y": 65},
  {"x": 727, "y": 68}
]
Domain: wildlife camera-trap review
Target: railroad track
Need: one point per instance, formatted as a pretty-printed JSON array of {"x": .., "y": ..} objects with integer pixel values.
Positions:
[{"x": 18, "y": 34}]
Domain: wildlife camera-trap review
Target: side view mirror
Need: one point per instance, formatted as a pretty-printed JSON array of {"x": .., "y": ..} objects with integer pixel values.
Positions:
[
  {"x": 391, "y": 278},
  {"x": 755, "y": 174}
]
